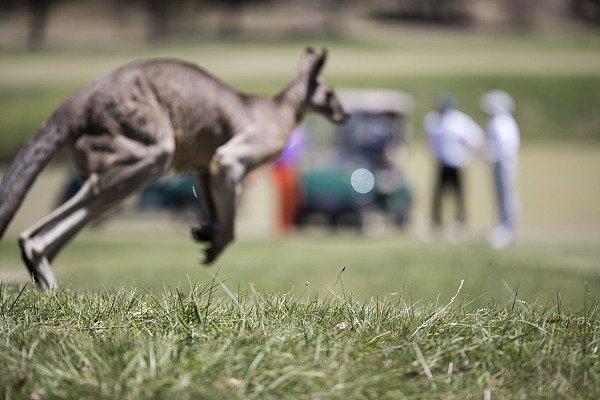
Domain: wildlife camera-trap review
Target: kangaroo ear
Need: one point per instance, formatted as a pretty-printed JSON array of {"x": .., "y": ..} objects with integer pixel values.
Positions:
[
  {"x": 319, "y": 63},
  {"x": 311, "y": 62},
  {"x": 306, "y": 61}
]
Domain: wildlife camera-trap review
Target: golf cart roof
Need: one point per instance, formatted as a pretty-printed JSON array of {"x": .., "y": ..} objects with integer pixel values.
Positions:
[{"x": 376, "y": 101}]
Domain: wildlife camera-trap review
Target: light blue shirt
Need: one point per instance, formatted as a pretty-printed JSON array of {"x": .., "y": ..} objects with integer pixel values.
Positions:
[
  {"x": 453, "y": 137},
  {"x": 503, "y": 139}
]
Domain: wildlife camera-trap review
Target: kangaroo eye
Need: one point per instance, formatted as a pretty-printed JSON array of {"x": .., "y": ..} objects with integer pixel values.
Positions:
[{"x": 329, "y": 95}]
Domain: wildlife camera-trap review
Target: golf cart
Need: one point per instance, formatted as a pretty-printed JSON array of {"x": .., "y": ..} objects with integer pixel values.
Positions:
[{"x": 355, "y": 183}]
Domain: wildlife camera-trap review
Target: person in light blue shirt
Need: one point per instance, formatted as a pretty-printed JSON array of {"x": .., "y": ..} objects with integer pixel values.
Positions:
[
  {"x": 503, "y": 155},
  {"x": 453, "y": 138}
]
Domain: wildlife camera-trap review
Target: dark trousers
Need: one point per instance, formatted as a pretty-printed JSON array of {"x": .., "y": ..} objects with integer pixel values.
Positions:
[{"x": 448, "y": 179}]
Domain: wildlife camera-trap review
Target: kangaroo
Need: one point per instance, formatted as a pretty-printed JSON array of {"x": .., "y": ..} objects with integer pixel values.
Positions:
[{"x": 145, "y": 118}]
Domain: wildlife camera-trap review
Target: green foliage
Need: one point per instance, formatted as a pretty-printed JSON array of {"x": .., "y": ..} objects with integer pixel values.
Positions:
[{"x": 207, "y": 342}]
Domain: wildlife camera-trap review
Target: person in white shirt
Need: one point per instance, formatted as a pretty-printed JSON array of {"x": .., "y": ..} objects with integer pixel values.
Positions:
[
  {"x": 503, "y": 152},
  {"x": 453, "y": 138}
]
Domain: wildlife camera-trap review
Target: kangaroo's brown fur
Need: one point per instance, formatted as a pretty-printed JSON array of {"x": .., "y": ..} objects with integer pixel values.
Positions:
[{"x": 145, "y": 118}]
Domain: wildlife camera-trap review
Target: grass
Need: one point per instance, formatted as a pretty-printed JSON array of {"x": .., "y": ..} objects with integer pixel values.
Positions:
[
  {"x": 206, "y": 341},
  {"x": 373, "y": 267}
]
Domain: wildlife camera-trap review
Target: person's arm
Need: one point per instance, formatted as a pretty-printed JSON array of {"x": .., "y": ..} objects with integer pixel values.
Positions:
[
  {"x": 513, "y": 139},
  {"x": 473, "y": 135},
  {"x": 493, "y": 143},
  {"x": 429, "y": 123},
  {"x": 506, "y": 135}
]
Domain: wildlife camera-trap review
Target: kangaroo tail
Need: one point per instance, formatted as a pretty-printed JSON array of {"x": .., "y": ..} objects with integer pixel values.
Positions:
[{"x": 28, "y": 163}]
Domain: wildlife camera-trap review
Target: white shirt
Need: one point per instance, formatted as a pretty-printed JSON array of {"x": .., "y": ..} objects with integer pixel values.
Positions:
[
  {"x": 453, "y": 137},
  {"x": 503, "y": 138}
]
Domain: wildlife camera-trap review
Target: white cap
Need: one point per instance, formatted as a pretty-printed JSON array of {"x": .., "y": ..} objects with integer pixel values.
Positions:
[{"x": 497, "y": 102}]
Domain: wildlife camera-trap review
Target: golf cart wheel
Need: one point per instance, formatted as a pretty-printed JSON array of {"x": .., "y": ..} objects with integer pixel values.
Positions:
[{"x": 372, "y": 223}]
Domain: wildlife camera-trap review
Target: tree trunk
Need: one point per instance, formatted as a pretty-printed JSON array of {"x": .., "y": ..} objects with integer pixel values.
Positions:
[
  {"x": 38, "y": 22},
  {"x": 521, "y": 13},
  {"x": 159, "y": 13}
]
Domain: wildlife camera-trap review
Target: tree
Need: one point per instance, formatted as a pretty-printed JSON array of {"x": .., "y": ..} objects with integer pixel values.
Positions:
[
  {"x": 521, "y": 13},
  {"x": 161, "y": 15},
  {"x": 39, "y": 14},
  {"x": 586, "y": 10}
]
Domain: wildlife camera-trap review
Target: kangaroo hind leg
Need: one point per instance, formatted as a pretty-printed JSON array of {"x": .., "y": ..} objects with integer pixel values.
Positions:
[{"x": 41, "y": 243}]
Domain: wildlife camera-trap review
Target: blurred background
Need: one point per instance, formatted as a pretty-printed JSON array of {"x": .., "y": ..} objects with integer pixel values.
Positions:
[{"x": 545, "y": 53}]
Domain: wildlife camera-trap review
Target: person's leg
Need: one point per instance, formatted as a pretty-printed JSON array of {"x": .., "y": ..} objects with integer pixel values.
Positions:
[
  {"x": 502, "y": 234},
  {"x": 512, "y": 197},
  {"x": 455, "y": 184},
  {"x": 285, "y": 182},
  {"x": 290, "y": 200},
  {"x": 500, "y": 192},
  {"x": 508, "y": 203},
  {"x": 436, "y": 203},
  {"x": 458, "y": 186}
]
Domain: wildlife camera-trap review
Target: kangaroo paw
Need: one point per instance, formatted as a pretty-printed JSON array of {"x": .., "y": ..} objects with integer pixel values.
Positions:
[
  {"x": 204, "y": 233},
  {"x": 211, "y": 253}
]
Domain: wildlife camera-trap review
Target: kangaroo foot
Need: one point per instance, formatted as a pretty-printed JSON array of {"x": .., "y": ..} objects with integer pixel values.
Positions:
[{"x": 38, "y": 266}]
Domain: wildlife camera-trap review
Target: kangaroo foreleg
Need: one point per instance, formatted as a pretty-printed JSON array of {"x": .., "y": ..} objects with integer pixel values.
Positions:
[
  {"x": 226, "y": 174},
  {"x": 206, "y": 231},
  {"x": 228, "y": 167}
]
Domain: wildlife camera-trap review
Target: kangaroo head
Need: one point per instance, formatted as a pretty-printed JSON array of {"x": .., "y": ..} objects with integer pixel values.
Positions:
[{"x": 321, "y": 97}]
